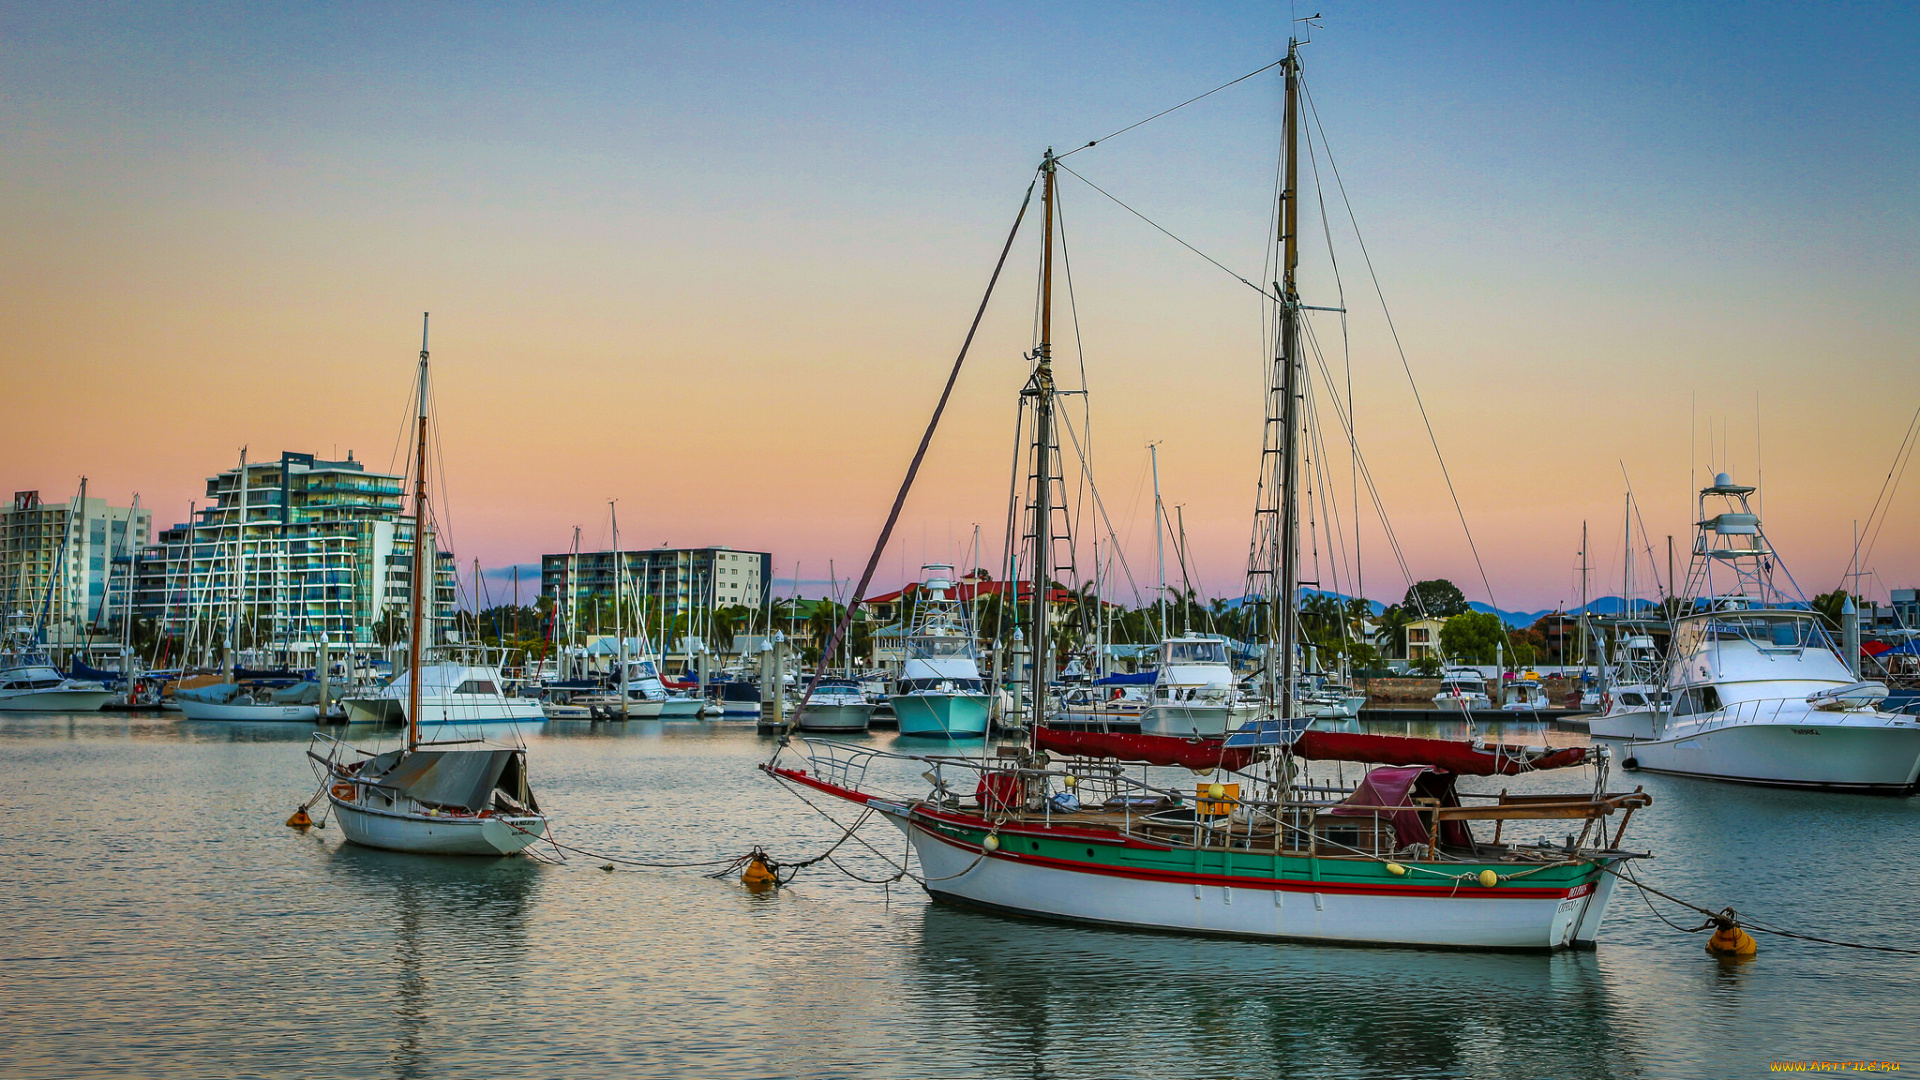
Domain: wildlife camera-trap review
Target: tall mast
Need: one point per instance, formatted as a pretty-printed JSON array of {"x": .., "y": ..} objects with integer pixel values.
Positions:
[
  {"x": 1040, "y": 387},
  {"x": 619, "y": 627},
  {"x": 418, "y": 585},
  {"x": 1159, "y": 535},
  {"x": 1289, "y": 363},
  {"x": 239, "y": 570}
]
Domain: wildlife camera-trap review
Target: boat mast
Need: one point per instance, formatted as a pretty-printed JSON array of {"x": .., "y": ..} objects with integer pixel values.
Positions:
[
  {"x": 1290, "y": 359},
  {"x": 1159, "y": 535},
  {"x": 620, "y": 628},
  {"x": 1040, "y": 388},
  {"x": 234, "y": 617},
  {"x": 417, "y": 585}
]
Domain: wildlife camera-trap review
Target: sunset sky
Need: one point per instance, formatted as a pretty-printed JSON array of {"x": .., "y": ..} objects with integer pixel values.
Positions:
[{"x": 714, "y": 262}]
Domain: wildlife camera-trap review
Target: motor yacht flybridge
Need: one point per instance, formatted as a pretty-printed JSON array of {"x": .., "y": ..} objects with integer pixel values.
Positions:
[{"x": 1756, "y": 688}]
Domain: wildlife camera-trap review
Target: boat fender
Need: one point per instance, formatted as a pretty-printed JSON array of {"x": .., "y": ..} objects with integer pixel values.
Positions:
[
  {"x": 991, "y": 843},
  {"x": 343, "y": 791},
  {"x": 300, "y": 820},
  {"x": 1396, "y": 869},
  {"x": 758, "y": 876},
  {"x": 1730, "y": 940},
  {"x": 1489, "y": 878}
]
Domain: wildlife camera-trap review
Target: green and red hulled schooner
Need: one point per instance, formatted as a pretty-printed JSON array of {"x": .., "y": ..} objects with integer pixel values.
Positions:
[
  {"x": 1060, "y": 829},
  {"x": 1393, "y": 862}
]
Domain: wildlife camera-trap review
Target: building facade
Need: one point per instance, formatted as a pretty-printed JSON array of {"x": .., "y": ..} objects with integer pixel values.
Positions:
[
  {"x": 659, "y": 583},
  {"x": 328, "y": 549},
  {"x": 65, "y": 566}
]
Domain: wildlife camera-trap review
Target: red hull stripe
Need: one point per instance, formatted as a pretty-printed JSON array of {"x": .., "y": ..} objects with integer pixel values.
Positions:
[{"x": 1463, "y": 889}]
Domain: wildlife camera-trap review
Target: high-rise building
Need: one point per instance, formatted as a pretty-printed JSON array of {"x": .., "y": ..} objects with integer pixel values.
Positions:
[
  {"x": 65, "y": 565},
  {"x": 328, "y": 548},
  {"x": 662, "y": 581}
]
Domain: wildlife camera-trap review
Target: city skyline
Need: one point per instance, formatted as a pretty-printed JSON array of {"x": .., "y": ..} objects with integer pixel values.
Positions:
[{"x": 715, "y": 266}]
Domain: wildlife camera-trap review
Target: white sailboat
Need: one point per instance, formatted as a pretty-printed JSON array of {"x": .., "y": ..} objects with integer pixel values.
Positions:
[
  {"x": 1758, "y": 691},
  {"x": 30, "y": 683},
  {"x": 453, "y": 797}
]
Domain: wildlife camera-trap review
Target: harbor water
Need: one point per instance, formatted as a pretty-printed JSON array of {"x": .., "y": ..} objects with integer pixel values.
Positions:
[{"x": 161, "y": 921}]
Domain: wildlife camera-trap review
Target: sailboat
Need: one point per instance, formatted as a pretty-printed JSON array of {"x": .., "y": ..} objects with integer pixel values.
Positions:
[
  {"x": 455, "y": 797},
  {"x": 1391, "y": 861}
]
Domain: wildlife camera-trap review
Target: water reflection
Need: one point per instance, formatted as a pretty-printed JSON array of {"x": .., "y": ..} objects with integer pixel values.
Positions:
[
  {"x": 1152, "y": 1004},
  {"x": 458, "y": 933}
]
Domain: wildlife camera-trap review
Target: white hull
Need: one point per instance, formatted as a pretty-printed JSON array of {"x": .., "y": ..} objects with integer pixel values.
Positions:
[
  {"x": 682, "y": 709},
  {"x": 384, "y": 710},
  {"x": 436, "y": 834},
  {"x": 54, "y": 700},
  {"x": 288, "y": 714},
  {"x": 1472, "y": 918},
  {"x": 835, "y": 717},
  {"x": 1634, "y": 724},
  {"x": 1810, "y": 753},
  {"x": 1187, "y": 721}
]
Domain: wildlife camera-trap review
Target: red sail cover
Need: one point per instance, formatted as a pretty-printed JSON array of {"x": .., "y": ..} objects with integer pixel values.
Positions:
[
  {"x": 1451, "y": 754},
  {"x": 1148, "y": 749}
]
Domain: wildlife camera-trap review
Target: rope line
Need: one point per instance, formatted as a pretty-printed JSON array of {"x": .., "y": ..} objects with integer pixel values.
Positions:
[
  {"x": 1729, "y": 917},
  {"x": 1163, "y": 112}
]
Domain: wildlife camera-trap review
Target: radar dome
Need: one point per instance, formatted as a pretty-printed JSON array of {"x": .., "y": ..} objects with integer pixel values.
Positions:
[{"x": 1722, "y": 480}]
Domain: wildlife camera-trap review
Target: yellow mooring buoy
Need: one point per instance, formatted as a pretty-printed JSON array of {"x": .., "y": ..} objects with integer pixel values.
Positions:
[
  {"x": 1730, "y": 940},
  {"x": 300, "y": 820},
  {"x": 758, "y": 877}
]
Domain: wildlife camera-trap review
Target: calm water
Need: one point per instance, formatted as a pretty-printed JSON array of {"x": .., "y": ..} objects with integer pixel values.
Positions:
[{"x": 160, "y": 921}]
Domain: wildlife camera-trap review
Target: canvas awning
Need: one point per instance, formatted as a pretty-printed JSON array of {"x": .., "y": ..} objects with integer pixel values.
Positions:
[{"x": 462, "y": 778}]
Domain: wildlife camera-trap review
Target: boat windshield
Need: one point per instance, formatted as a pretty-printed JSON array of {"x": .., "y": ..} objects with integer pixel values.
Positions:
[
  {"x": 1766, "y": 630},
  {"x": 939, "y": 648},
  {"x": 1195, "y": 652}
]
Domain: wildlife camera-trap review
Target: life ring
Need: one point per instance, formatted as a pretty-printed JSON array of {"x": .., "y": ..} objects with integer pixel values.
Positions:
[{"x": 343, "y": 792}]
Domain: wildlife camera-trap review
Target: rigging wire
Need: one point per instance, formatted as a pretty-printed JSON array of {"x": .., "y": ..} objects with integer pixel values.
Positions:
[
  {"x": 1399, "y": 346},
  {"x": 1889, "y": 486},
  {"x": 1169, "y": 235},
  {"x": 1138, "y": 123}
]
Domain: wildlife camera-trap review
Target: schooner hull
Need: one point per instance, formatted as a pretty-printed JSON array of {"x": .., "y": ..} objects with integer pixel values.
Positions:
[
  {"x": 1260, "y": 896},
  {"x": 435, "y": 835},
  {"x": 941, "y": 716}
]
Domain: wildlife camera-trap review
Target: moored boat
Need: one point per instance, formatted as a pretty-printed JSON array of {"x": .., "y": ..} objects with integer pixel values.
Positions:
[
  {"x": 1757, "y": 690},
  {"x": 939, "y": 693},
  {"x": 835, "y": 705}
]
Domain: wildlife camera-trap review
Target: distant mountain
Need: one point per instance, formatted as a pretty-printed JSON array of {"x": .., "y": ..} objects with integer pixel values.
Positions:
[{"x": 1604, "y": 605}]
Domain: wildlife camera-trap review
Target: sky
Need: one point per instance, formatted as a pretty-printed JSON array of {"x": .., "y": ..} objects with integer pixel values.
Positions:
[{"x": 714, "y": 262}]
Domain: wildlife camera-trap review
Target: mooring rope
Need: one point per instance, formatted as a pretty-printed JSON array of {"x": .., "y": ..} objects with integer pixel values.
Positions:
[{"x": 1729, "y": 917}]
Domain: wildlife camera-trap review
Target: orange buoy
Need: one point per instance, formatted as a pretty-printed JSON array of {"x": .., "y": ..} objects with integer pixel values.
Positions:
[
  {"x": 759, "y": 877},
  {"x": 300, "y": 820},
  {"x": 1730, "y": 940}
]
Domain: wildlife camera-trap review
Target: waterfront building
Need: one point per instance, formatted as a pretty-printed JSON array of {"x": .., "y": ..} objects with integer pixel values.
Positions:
[
  {"x": 66, "y": 564},
  {"x": 1423, "y": 638},
  {"x": 673, "y": 580},
  {"x": 329, "y": 548}
]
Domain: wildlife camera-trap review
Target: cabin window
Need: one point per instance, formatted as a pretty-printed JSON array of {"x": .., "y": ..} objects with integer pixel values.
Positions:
[
  {"x": 1633, "y": 699},
  {"x": 1709, "y": 699},
  {"x": 477, "y": 686}
]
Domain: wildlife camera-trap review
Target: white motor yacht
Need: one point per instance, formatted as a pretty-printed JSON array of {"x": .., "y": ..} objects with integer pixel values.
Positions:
[
  {"x": 1193, "y": 693},
  {"x": 30, "y": 683},
  {"x": 450, "y": 694},
  {"x": 1524, "y": 694},
  {"x": 1462, "y": 689},
  {"x": 836, "y": 705},
  {"x": 1758, "y": 691}
]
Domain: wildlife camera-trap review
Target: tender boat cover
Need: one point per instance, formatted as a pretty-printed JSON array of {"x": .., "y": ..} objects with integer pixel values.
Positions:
[
  {"x": 216, "y": 694},
  {"x": 1395, "y": 786},
  {"x": 462, "y": 778}
]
